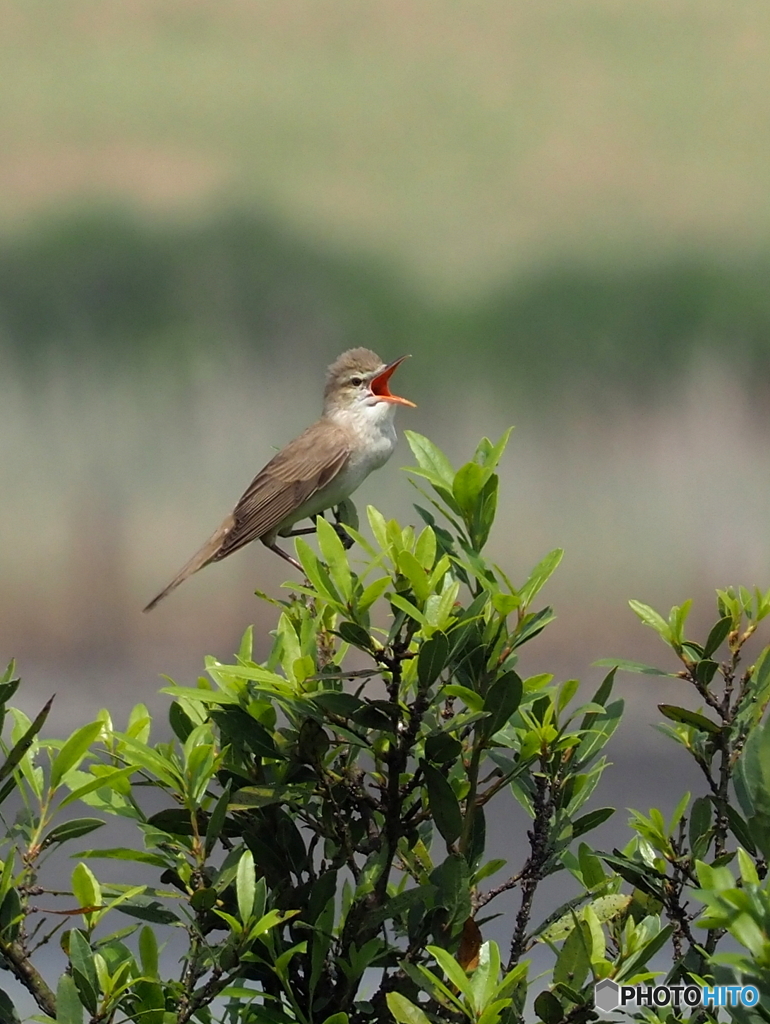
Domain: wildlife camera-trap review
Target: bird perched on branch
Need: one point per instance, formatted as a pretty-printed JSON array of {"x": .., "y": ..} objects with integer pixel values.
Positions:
[{"x": 316, "y": 471}]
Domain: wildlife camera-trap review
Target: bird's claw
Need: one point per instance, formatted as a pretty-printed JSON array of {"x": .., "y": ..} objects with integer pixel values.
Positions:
[
  {"x": 345, "y": 514},
  {"x": 345, "y": 538}
]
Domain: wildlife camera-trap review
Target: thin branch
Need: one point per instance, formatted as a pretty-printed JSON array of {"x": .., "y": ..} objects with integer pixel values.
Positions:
[
  {"x": 25, "y": 972},
  {"x": 532, "y": 873},
  {"x": 482, "y": 899}
]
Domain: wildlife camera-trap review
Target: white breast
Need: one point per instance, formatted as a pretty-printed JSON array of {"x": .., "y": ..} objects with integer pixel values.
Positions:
[{"x": 373, "y": 426}]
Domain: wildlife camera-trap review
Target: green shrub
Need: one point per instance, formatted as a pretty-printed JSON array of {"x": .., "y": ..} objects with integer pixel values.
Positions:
[{"x": 321, "y": 839}]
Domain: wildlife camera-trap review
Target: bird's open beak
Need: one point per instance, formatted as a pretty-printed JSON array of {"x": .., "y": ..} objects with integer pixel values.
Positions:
[{"x": 379, "y": 385}]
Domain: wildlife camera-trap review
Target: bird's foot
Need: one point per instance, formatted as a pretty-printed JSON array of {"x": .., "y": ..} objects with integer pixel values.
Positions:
[
  {"x": 285, "y": 555},
  {"x": 344, "y": 536},
  {"x": 345, "y": 514}
]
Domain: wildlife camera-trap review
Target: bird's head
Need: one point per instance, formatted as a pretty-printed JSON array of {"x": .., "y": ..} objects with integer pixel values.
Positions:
[{"x": 358, "y": 381}]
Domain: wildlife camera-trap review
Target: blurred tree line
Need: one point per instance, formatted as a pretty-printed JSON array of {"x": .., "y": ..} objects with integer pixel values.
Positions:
[{"x": 119, "y": 288}]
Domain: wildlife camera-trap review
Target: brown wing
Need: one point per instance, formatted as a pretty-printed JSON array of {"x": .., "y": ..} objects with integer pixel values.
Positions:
[{"x": 303, "y": 467}]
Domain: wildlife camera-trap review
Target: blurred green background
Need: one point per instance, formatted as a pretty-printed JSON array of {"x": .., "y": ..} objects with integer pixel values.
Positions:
[{"x": 559, "y": 208}]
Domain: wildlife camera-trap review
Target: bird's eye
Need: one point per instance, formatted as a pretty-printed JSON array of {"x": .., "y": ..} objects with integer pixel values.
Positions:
[{"x": 356, "y": 382}]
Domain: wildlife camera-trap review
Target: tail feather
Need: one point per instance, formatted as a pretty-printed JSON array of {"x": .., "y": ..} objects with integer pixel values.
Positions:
[{"x": 206, "y": 554}]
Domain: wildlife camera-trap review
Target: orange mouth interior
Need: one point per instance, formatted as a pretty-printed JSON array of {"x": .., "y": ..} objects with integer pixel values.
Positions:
[{"x": 379, "y": 385}]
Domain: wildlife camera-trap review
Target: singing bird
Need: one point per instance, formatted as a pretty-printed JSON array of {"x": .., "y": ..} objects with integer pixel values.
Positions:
[{"x": 316, "y": 471}]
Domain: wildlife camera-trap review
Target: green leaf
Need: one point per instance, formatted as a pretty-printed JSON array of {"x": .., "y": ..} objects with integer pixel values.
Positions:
[
  {"x": 203, "y": 899},
  {"x": 490, "y": 868},
  {"x": 405, "y": 1011},
  {"x": 8, "y": 1012},
  {"x": 180, "y": 721},
  {"x": 8, "y": 685},
  {"x": 270, "y": 920},
  {"x": 148, "y": 952},
  {"x": 504, "y": 604},
  {"x": 150, "y": 1004},
  {"x": 443, "y": 803},
  {"x": 591, "y": 820},
  {"x": 430, "y": 458},
  {"x": 484, "y": 978},
  {"x": 425, "y": 548},
  {"x": 379, "y": 526},
  {"x": 501, "y": 702},
  {"x": 567, "y": 691},
  {"x": 148, "y": 910},
  {"x": 590, "y": 867},
  {"x": 748, "y": 868},
  {"x": 74, "y": 750},
  {"x": 85, "y": 887},
  {"x": 312, "y": 742},
  {"x": 687, "y": 717},
  {"x": 440, "y": 747},
  {"x": 432, "y": 659},
  {"x": 21, "y": 747},
  {"x": 71, "y": 830},
  {"x": 317, "y": 573},
  {"x": 601, "y": 697},
  {"x": 257, "y": 796},
  {"x": 452, "y": 881},
  {"x": 119, "y": 853},
  {"x": 346, "y": 514},
  {"x": 172, "y": 820},
  {"x": 322, "y": 939},
  {"x": 69, "y": 1009},
  {"x": 676, "y": 620},
  {"x": 236, "y": 724},
  {"x": 466, "y": 487},
  {"x": 608, "y": 907},
  {"x": 645, "y": 954},
  {"x": 106, "y": 781},
  {"x": 432, "y": 984},
  {"x": 548, "y": 1008},
  {"x": 409, "y": 567},
  {"x": 84, "y": 969},
  {"x": 632, "y": 666},
  {"x": 453, "y": 971},
  {"x": 6, "y": 879},
  {"x": 6, "y": 790},
  {"x": 139, "y": 723},
  {"x": 153, "y": 762},
  {"x": 540, "y": 576},
  {"x": 641, "y": 875},
  {"x": 217, "y": 820},
  {"x": 705, "y": 670},
  {"x": 338, "y": 703},
  {"x": 652, "y": 619},
  {"x": 740, "y": 829},
  {"x": 406, "y": 606},
  {"x": 245, "y": 885},
  {"x": 700, "y": 825},
  {"x": 678, "y": 813},
  {"x": 717, "y": 636},
  {"x": 372, "y": 593},
  {"x": 488, "y": 454},
  {"x": 335, "y": 556},
  {"x": 512, "y": 980},
  {"x": 761, "y": 674},
  {"x": 470, "y": 698},
  {"x": 574, "y": 960},
  {"x": 531, "y": 625},
  {"x": 11, "y": 915},
  {"x": 356, "y": 635}
]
